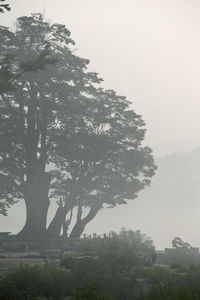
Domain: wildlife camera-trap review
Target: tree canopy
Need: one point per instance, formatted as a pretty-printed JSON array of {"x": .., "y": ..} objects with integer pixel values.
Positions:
[
  {"x": 62, "y": 136},
  {"x": 104, "y": 162}
]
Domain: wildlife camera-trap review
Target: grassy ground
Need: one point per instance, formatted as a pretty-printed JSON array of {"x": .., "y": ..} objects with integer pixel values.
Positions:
[{"x": 12, "y": 263}]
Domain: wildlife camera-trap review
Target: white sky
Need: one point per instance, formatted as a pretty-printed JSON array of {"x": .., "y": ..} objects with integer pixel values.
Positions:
[{"x": 148, "y": 50}]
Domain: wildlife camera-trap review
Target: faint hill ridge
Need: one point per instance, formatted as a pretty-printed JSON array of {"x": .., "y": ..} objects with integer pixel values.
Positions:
[
  {"x": 195, "y": 151},
  {"x": 179, "y": 166},
  {"x": 169, "y": 207}
]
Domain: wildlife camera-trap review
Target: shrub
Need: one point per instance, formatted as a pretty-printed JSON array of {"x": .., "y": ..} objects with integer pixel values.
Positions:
[
  {"x": 27, "y": 283},
  {"x": 90, "y": 292}
]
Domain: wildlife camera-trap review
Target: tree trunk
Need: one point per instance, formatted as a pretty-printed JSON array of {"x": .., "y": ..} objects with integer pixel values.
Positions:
[
  {"x": 66, "y": 225},
  {"x": 37, "y": 204},
  {"x": 79, "y": 227},
  {"x": 56, "y": 224}
]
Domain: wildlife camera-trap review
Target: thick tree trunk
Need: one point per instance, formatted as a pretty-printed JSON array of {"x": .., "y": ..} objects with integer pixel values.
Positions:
[
  {"x": 79, "y": 227},
  {"x": 37, "y": 204},
  {"x": 56, "y": 224},
  {"x": 66, "y": 225}
]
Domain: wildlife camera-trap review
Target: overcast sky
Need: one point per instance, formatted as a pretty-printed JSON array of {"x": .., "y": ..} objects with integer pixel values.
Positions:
[{"x": 147, "y": 50}]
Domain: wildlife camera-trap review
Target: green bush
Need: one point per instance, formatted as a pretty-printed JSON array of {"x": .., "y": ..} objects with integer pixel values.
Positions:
[
  {"x": 90, "y": 292},
  {"x": 88, "y": 279},
  {"x": 27, "y": 283},
  {"x": 182, "y": 284},
  {"x": 108, "y": 262},
  {"x": 104, "y": 269}
]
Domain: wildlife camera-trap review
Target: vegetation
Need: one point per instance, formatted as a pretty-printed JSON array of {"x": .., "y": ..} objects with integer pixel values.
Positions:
[
  {"x": 181, "y": 253},
  {"x": 66, "y": 139},
  {"x": 62, "y": 137},
  {"x": 109, "y": 268},
  {"x": 100, "y": 269},
  {"x": 32, "y": 282},
  {"x": 4, "y": 7},
  {"x": 128, "y": 246},
  {"x": 137, "y": 283}
]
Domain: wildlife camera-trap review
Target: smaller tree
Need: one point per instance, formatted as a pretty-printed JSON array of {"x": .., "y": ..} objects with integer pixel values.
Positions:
[
  {"x": 177, "y": 243},
  {"x": 182, "y": 253},
  {"x": 102, "y": 162}
]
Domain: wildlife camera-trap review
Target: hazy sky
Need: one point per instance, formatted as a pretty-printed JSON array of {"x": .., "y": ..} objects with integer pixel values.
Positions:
[{"x": 147, "y": 50}]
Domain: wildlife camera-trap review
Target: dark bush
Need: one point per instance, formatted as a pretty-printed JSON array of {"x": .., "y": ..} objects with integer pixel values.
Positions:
[{"x": 28, "y": 283}]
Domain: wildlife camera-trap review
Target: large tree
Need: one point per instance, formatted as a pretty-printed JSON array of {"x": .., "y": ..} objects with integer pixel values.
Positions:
[
  {"x": 61, "y": 135},
  {"x": 33, "y": 114}
]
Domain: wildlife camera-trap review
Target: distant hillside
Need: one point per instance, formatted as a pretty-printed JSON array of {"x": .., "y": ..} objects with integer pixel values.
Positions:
[
  {"x": 178, "y": 180},
  {"x": 169, "y": 208},
  {"x": 179, "y": 167}
]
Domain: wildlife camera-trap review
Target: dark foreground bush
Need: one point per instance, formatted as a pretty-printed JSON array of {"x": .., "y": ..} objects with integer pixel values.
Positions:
[
  {"x": 171, "y": 291},
  {"x": 90, "y": 292},
  {"x": 87, "y": 281},
  {"x": 185, "y": 286},
  {"x": 29, "y": 283},
  {"x": 107, "y": 278},
  {"x": 46, "y": 283}
]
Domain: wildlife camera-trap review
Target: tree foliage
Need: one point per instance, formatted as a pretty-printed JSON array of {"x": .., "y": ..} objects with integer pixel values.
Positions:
[
  {"x": 177, "y": 243},
  {"x": 31, "y": 107},
  {"x": 4, "y": 7},
  {"x": 61, "y": 135},
  {"x": 103, "y": 162}
]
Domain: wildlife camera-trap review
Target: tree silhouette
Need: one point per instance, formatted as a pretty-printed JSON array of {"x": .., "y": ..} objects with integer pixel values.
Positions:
[
  {"x": 61, "y": 136},
  {"x": 177, "y": 243},
  {"x": 103, "y": 162},
  {"x": 35, "y": 107}
]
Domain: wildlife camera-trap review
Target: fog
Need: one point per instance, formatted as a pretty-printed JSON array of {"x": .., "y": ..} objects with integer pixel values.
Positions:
[{"x": 147, "y": 50}]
